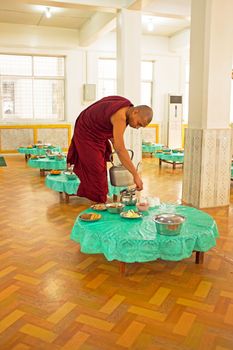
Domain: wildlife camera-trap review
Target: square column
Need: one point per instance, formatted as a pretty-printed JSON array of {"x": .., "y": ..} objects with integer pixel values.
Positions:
[
  {"x": 129, "y": 70},
  {"x": 207, "y": 159}
]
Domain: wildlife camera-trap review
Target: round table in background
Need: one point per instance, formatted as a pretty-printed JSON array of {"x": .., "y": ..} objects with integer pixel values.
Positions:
[
  {"x": 61, "y": 184},
  {"x": 136, "y": 240},
  {"x": 45, "y": 164},
  {"x": 151, "y": 148},
  {"x": 171, "y": 158},
  {"x": 37, "y": 151}
]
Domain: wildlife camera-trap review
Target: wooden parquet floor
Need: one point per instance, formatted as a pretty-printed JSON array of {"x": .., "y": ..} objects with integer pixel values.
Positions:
[{"x": 54, "y": 297}]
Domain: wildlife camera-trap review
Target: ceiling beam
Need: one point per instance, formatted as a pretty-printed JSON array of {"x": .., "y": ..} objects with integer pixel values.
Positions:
[
  {"x": 140, "y": 5},
  {"x": 86, "y": 5},
  {"x": 99, "y": 24}
]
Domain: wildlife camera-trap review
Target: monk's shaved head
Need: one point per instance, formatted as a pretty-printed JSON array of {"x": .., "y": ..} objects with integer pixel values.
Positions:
[
  {"x": 139, "y": 116},
  {"x": 145, "y": 112}
]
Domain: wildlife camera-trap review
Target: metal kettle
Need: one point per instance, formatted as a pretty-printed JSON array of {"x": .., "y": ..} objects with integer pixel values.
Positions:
[{"x": 119, "y": 175}]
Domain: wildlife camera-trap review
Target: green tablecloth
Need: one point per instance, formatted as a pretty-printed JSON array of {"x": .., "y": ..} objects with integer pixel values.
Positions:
[
  {"x": 136, "y": 240},
  {"x": 232, "y": 172},
  {"x": 173, "y": 157},
  {"x": 46, "y": 164},
  {"x": 60, "y": 183},
  {"x": 38, "y": 151},
  {"x": 2, "y": 161},
  {"x": 151, "y": 148}
]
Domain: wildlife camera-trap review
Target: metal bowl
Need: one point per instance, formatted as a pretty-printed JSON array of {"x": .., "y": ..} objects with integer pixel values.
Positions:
[
  {"x": 127, "y": 200},
  {"x": 115, "y": 208},
  {"x": 51, "y": 156},
  {"x": 169, "y": 224}
]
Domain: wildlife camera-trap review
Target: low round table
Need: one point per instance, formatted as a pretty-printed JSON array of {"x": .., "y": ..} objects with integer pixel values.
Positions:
[
  {"x": 37, "y": 151},
  {"x": 61, "y": 184},
  {"x": 136, "y": 240},
  {"x": 173, "y": 158},
  {"x": 47, "y": 164},
  {"x": 151, "y": 148}
]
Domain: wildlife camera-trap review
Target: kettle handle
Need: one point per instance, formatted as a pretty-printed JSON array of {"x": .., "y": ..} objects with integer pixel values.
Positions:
[{"x": 111, "y": 155}]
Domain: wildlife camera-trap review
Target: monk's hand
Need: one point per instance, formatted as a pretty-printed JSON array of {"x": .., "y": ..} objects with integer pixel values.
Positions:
[{"x": 138, "y": 182}]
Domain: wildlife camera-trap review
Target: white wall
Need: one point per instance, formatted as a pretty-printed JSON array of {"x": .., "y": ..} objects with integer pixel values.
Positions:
[{"x": 81, "y": 64}]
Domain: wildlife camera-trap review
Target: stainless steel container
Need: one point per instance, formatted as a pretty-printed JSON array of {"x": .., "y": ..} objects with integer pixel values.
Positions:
[
  {"x": 115, "y": 208},
  {"x": 128, "y": 197},
  {"x": 119, "y": 175},
  {"x": 169, "y": 224}
]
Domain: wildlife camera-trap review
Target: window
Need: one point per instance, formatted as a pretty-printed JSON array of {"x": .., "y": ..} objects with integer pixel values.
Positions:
[
  {"x": 31, "y": 87},
  {"x": 107, "y": 83},
  {"x": 186, "y": 95},
  {"x": 146, "y": 82},
  {"x": 107, "y": 79}
]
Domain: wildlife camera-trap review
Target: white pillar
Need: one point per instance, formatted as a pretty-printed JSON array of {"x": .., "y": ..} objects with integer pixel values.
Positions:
[
  {"x": 129, "y": 69},
  {"x": 208, "y": 138}
]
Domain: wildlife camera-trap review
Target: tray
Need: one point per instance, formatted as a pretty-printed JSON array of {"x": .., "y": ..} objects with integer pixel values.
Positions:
[{"x": 89, "y": 220}]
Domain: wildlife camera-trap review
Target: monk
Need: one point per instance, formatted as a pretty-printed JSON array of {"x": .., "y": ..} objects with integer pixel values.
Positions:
[{"x": 89, "y": 150}]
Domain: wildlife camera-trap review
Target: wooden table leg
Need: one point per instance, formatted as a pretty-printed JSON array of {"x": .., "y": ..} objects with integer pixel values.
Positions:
[
  {"x": 115, "y": 197},
  {"x": 67, "y": 197},
  {"x": 61, "y": 196},
  {"x": 160, "y": 162},
  {"x": 174, "y": 165},
  {"x": 199, "y": 258},
  {"x": 42, "y": 172},
  {"x": 122, "y": 267}
]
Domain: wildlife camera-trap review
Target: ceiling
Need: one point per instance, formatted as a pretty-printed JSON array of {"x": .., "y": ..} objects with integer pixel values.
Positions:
[{"x": 166, "y": 17}]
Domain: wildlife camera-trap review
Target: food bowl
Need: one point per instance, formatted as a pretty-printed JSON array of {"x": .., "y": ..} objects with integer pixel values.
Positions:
[
  {"x": 115, "y": 208},
  {"x": 99, "y": 206},
  {"x": 70, "y": 176},
  {"x": 143, "y": 206},
  {"x": 59, "y": 157},
  {"x": 55, "y": 172},
  {"x": 51, "y": 156},
  {"x": 169, "y": 224}
]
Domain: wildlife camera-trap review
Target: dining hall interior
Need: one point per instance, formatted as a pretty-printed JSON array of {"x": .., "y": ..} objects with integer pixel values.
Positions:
[{"x": 127, "y": 280}]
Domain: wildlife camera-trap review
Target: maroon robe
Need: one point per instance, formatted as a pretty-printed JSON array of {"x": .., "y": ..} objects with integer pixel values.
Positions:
[{"x": 90, "y": 149}]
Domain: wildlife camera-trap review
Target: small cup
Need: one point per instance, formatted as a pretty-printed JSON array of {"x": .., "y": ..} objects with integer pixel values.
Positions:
[{"x": 142, "y": 205}]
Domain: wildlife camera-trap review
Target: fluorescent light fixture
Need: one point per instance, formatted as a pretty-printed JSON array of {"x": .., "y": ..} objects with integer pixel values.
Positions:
[
  {"x": 150, "y": 25},
  {"x": 47, "y": 12}
]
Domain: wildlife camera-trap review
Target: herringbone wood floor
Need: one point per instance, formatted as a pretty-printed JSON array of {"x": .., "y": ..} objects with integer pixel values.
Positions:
[{"x": 54, "y": 297}]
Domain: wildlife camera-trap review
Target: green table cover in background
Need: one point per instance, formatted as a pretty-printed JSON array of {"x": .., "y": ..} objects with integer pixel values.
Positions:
[
  {"x": 2, "y": 161},
  {"x": 47, "y": 164},
  {"x": 173, "y": 157},
  {"x": 38, "y": 151},
  {"x": 60, "y": 183},
  {"x": 151, "y": 148},
  {"x": 232, "y": 172},
  {"x": 136, "y": 240}
]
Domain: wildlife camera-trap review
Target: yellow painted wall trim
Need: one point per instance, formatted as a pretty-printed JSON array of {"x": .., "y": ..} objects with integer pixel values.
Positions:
[
  {"x": 156, "y": 127},
  {"x": 184, "y": 126},
  {"x": 35, "y": 128}
]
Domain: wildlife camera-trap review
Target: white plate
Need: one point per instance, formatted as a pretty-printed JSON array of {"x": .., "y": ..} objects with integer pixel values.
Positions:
[
  {"x": 95, "y": 207},
  {"x": 123, "y": 215}
]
